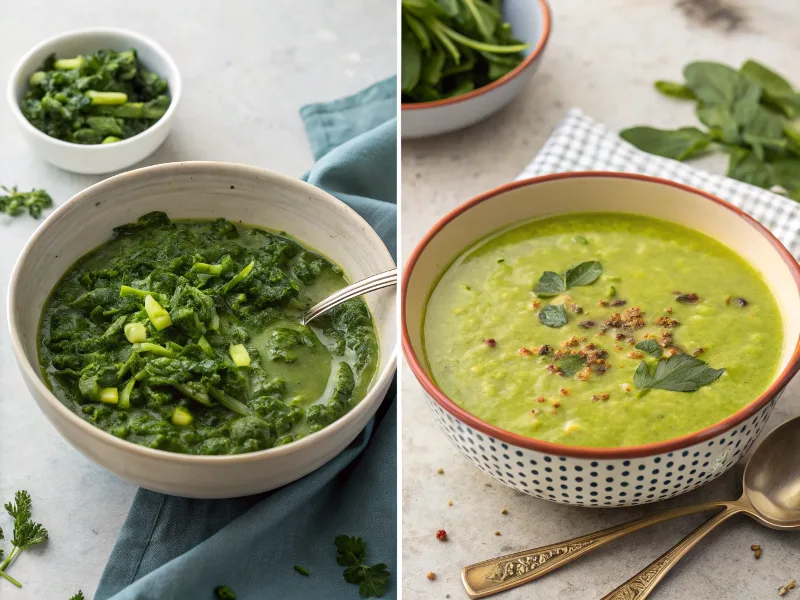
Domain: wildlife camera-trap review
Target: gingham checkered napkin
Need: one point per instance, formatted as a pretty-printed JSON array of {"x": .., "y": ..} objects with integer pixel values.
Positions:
[{"x": 579, "y": 143}]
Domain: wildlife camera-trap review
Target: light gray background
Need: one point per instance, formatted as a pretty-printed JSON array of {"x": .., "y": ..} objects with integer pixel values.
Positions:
[
  {"x": 602, "y": 57},
  {"x": 247, "y": 67}
]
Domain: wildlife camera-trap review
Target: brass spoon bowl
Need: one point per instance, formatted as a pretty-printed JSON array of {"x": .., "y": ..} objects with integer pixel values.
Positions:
[{"x": 771, "y": 496}]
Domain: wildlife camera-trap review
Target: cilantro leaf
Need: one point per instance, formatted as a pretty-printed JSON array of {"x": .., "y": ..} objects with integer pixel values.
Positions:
[
  {"x": 549, "y": 284},
  {"x": 571, "y": 364},
  {"x": 650, "y": 347},
  {"x": 678, "y": 373},
  {"x": 585, "y": 273},
  {"x": 78, "y": 596},
  {"x": 27, "y": 533},
  {"x": 20, "y": 509},
  {"x": 553, "y": 315},
  {"x": 351, "y": 551}
]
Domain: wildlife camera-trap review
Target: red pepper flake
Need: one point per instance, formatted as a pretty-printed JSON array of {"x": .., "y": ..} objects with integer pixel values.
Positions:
[
  {"x": 635, "y": 354},
  {"x": 564, "y": 392},
  {"x": 491, "y": 342},
  {"x": 541, "y": 399},
  {"x": 698, "y": 351},
  {"x": 603, "y": 303},
  {"x": 441, "y": 535},
  {"x": 588, "y": 324},
  {"x": 536, "y": 304},
  {"x": 668, "y": 310},
  {"x": 525, "y": 352}
]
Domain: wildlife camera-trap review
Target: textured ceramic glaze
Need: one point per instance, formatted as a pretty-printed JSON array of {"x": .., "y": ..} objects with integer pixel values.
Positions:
[
  {"x": 723, "y": 443},
  {"x": 192, "y": 191},
  {"x": 96, "y": 158}
]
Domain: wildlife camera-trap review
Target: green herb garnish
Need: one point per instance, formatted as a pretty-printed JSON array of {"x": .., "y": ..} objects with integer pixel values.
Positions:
[
  {"x": 301, "y": 570},
  {"x": 15, "y": 202},
  {"x": 752, "y": 113},
  {"x": 451, "y": 48},
  {"x": 553, "y": 315},
  {"x": 351, "y": 553},
  {"x": 678, "y": 373},
  {"x": 27, "y": 533},
  {"x": 571, "y": 364},
  {"x": 651, "y": 347},
  {"x": 78, "y": 596},
  {"x": 94, "y": 99},
  {"x": 225, "y": 593},
  {"x": 552, "y": 283}
]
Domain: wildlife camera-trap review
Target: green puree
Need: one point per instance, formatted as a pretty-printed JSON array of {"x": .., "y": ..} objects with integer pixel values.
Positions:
[
  {"x": 186, "y": 337},
  {"x": 484, "y": 332}
]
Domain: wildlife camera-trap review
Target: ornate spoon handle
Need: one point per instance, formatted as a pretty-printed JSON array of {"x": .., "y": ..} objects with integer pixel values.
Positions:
[
  {"x": 359, "y": 288},
  {"x": 506, "y": 572},
  {"x": 645, "y": 581}
]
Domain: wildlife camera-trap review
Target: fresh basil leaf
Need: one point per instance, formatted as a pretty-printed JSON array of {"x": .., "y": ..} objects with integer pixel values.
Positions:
[
  {"x": 715, "y": 83},
  {"x": 585, "y": 273},
  {"x": 553, "y": 315},
  {"x": 746, "y": 166},
  {"x": 720, "y": 116},
  {"x": 650, "y": 347},
  {"x": 678, "y": 373},
  {"x": 679, "y": 144},
  {"x": 411, "y": 62},
  {"x": 675, "y": 90},
  {"x": 571, "y": 364},
  {"x": 549, "y": 284}
]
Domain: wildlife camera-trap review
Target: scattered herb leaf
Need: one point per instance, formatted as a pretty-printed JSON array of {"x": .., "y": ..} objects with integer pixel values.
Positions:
[
  {"x": 553, "y": 315},
  {"x": 225, "y": 593},
  {"x": 27, "y": 533},
  {"x": 678, "y": 144},
  {"x": 675, "y": 90},
  {"x": 549, "y": 284},
  {"x": 78, "y": 596},
  {"x": 650, "y": 347},
  {"x": 351, "y": 553},
  {"x": 571, "y": 364},
  {"x": 678, "y": 373},
  {"x": 302, "y": 570},
  {"x": 585, "y": 273},
  {"x": 15, "y": 202}
]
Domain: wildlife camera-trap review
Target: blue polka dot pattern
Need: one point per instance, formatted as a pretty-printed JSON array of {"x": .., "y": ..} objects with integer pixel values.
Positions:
[{"x": 603, "y": 482}]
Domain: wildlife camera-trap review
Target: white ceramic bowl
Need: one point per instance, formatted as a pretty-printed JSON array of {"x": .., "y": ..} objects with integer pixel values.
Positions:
[
  {"x": 98, "y": 158},
  {"x": 199, "y": 190},
  {"x": 530, "y": 23},
  {"x": 601, "y": 476}
]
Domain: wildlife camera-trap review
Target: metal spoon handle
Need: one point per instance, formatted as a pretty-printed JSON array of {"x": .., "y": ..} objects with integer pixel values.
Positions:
[
  {"x": 645, "y": 581},
  {"x": 359, "y": 288},
  {"x": 506, "y": 572}
]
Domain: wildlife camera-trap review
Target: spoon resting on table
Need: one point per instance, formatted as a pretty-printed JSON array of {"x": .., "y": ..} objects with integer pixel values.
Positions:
[
  {"x": 359, "y": 288},
  {"x": 771, "y": 496}
]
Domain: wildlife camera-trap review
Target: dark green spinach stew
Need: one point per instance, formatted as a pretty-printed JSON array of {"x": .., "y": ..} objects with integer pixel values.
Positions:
[{"x": 186, "y": 337}]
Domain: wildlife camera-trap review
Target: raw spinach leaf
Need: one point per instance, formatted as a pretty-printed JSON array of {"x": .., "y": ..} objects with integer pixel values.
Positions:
[
  {"x": 715, "y": 83},
  {"x": 675, "y": 90},
  {"x": 585, "y": 273},
  {"x": 774, "y": 85},
  {"x": 411, "y": 62},
  {"x": 553, "y": 315},
  {"x": 678, "y": 373},
  {"x": 678, "y": 144},
  {"x": 549, "y": 284},
  {"x": 720, "y": 117},
  {"x": 786, "y": 173},
  {"x": 571, "y": 364},
  {"x": 745, "y": 166},
  {"x": 650, "y": 347}
]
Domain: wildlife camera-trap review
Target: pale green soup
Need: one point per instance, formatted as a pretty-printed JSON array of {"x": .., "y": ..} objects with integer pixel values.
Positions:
[{"x": 488, "y": 349}]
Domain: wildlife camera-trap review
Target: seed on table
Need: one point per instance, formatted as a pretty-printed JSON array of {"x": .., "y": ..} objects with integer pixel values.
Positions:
[{"x": 430, "y": 575}]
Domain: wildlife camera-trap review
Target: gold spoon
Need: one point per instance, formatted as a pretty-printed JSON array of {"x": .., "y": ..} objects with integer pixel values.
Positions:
[{"x": 771, "y": 496}]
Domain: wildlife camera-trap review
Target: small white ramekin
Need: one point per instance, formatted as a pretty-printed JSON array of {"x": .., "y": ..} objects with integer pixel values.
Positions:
[{"x": 97, "y": 158}]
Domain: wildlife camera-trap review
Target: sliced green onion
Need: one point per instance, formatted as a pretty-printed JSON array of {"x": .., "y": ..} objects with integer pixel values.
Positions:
[
  {"x": 135, "y": 332},
  {"x": 239, "y": 354},
  {"x": 109, "y": 395},
  {"x": 106, "y": 98},
  {"x": 159, "y": 317},
  {"x": 181, "y": 417}
]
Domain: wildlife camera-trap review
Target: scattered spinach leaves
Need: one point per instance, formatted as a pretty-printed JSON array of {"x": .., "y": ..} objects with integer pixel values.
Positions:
[
  {"x": 678, "y": 373},
  {"x": 553, "y": 315},
  {"x": 650, "y": 347},
  {"x": 452, "y": 47},
  {"x": 753, "y": 113},
  {"x": 15, "y": 202},
  {"x": 352, "y": 553}
]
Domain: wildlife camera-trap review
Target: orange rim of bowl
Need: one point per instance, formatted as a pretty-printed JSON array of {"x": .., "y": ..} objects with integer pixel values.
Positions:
[
  {"x": 578, "y": 451},
  {"x": 528, "y": 61}
]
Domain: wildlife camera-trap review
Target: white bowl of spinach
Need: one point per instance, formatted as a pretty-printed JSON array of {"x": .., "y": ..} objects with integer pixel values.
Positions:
[
  {"x": 95, "y": 100},
  {"x": 155, "y": 318}
]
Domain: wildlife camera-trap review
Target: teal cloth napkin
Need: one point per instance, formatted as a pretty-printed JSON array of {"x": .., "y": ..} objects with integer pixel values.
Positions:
[{"x": 178, "y": 548}]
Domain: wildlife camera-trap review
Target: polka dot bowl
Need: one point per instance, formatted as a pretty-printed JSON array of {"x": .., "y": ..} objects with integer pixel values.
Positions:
[{"x": 614, "y": 476}]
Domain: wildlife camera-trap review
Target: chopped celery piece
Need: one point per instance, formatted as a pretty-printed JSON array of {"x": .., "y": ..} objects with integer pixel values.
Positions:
[
  {"x": 67, "y": 64},
  {"x": 110, "y": 139}
]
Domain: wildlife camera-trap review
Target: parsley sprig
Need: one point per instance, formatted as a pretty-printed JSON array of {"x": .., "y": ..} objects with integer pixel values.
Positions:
[
  {"x": 78, "y": 596},
  {"x": 352, "y": 553},
  {"x": 27, "y": 532}
]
